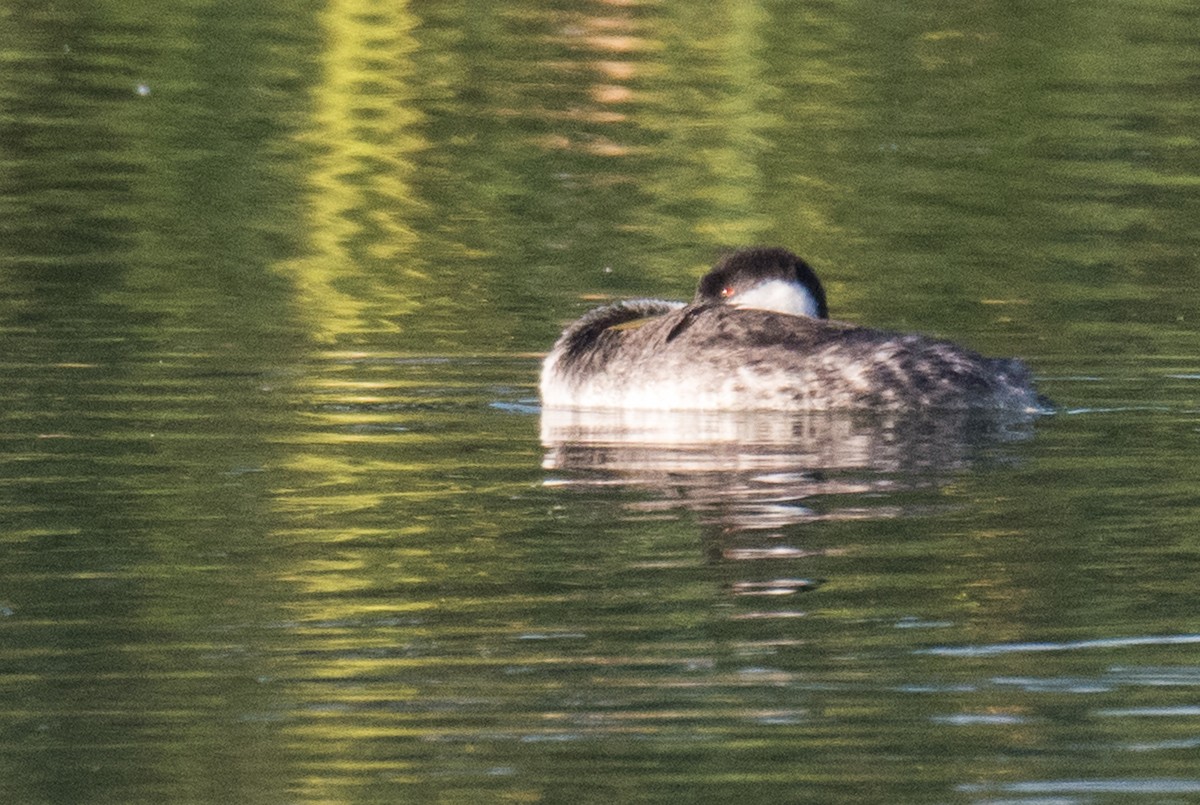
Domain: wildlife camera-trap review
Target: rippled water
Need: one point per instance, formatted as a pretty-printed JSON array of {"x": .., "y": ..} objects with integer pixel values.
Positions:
[{"x": 282, "y": 521}]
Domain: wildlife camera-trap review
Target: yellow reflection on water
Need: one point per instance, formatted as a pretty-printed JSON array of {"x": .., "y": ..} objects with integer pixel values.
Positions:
[{"x": 360, "y": 195}]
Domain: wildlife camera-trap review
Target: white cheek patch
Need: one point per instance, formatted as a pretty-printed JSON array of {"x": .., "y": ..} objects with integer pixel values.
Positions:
[{"x": 780, "y": 296}]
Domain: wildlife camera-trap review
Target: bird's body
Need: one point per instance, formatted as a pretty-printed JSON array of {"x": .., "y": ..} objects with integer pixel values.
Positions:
[{"x": 718, "y": 355}]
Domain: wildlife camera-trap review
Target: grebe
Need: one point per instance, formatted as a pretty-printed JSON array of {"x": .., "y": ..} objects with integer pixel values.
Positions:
[{"x": 757, "y": 337}]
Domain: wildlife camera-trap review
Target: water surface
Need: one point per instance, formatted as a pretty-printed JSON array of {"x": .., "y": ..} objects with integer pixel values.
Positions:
[{"x": 282, "y": 522}]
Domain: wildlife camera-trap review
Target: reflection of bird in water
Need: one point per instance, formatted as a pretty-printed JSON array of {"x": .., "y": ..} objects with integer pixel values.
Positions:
[
  {"x": 762, "y": 488},
  {"x": 756, "y": 470},
  {"x": 648, "y": 442},
  {"x": 756, "y": 337}
]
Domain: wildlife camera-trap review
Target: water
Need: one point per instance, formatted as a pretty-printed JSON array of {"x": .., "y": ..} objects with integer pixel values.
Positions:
[{"x": 279, "y": 524}]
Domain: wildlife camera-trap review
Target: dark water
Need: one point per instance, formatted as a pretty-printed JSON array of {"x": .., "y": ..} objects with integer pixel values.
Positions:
[{"x": 277, "y": 520}]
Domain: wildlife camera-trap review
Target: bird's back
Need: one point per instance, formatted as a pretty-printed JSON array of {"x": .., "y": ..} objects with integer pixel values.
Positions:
[{"x": 661, "y": 355}]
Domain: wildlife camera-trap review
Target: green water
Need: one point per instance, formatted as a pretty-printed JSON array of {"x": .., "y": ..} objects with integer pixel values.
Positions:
[{"x": 276, "y": 521}]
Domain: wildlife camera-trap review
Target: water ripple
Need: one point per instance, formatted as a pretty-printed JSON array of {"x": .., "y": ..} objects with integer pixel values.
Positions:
[
  {"x": 1144, "y": 786},
  {"x": 1072, "y": 645}
]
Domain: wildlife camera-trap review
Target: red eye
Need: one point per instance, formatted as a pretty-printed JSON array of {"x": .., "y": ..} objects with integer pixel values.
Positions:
[{"x": 727, "y": 292}]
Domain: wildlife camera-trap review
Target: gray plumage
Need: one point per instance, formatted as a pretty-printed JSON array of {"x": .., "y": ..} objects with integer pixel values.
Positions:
[{"x": 713, "y": 355}]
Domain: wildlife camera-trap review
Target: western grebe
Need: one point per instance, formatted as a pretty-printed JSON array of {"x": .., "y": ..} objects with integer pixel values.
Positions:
[{"x": 757, "y": 337}]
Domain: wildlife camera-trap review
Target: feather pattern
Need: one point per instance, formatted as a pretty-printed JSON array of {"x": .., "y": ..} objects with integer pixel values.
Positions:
[{"x": 714, "y": 355}]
